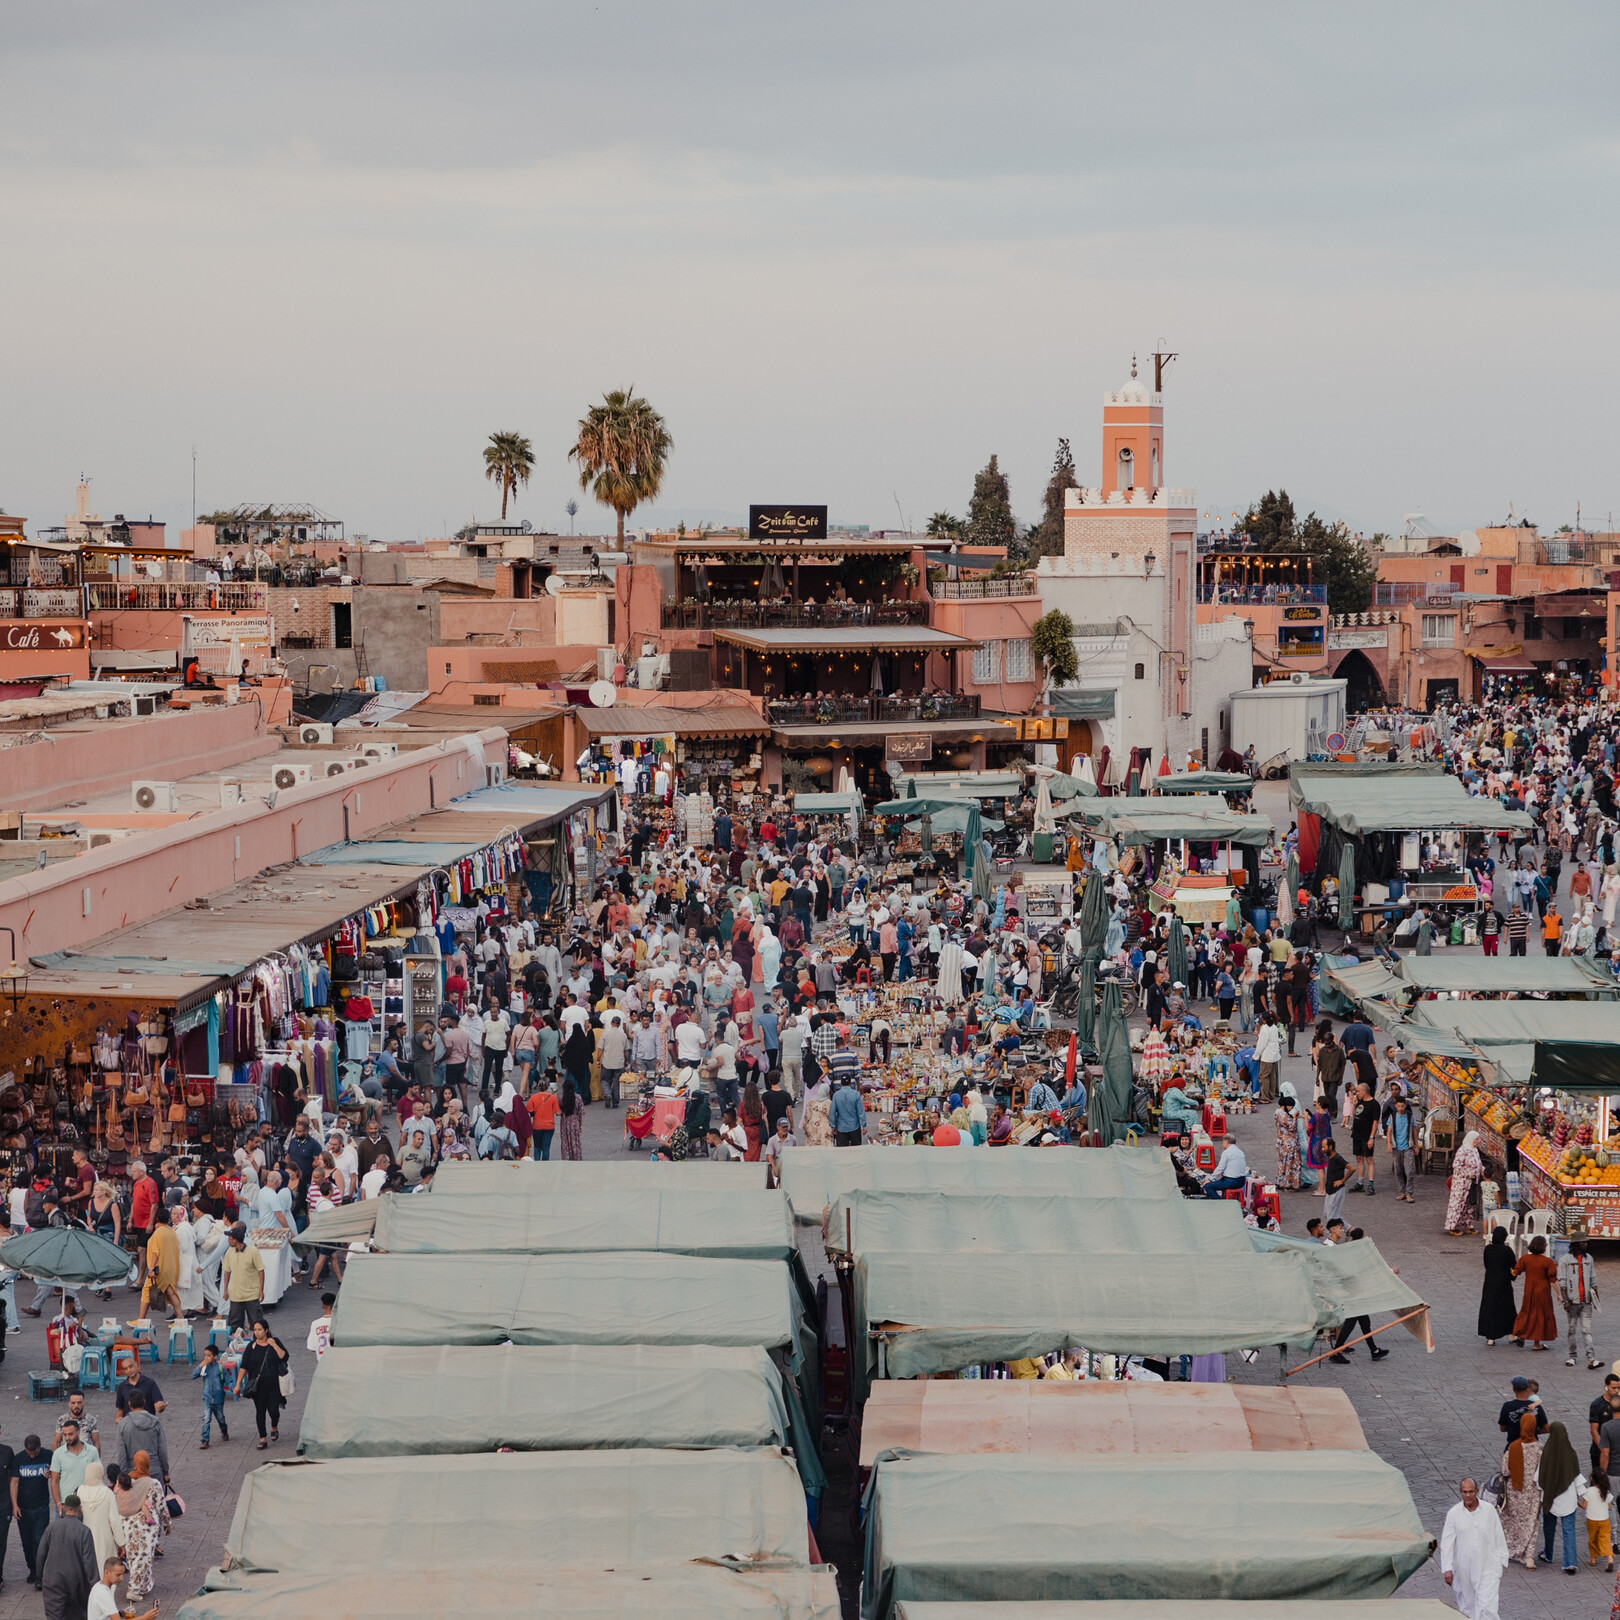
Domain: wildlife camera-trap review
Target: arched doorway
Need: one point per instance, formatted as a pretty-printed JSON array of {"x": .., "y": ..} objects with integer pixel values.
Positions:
[
  {"x": 1365, "y": 690},
  {"x": 1078, "y": 742}
]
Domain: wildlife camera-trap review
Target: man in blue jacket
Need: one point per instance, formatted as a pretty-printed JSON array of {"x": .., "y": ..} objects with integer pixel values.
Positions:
[{"x": 847, "y": 1116}]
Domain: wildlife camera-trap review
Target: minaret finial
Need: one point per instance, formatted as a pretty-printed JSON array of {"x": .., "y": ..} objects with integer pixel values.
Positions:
[{"x": 1133, "y": 365}]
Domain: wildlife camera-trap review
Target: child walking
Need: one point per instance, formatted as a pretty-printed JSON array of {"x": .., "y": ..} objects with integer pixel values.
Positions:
[
  {"x": 1597, "y": 1499},
  {"x": 213, "y": 1394}
]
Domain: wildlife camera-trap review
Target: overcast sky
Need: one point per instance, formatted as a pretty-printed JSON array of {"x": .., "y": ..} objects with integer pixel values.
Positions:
[{"x": 847, "y": 250}]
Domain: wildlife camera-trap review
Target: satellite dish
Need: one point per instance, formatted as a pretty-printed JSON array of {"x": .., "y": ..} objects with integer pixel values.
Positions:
[
  {"x": 604, "y": 694},
  {"x": 554, "y": 585},
  {"x": 526, "y": 526}
]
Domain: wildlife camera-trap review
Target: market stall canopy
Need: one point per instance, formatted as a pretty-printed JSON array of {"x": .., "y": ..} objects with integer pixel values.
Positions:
[
  {"x": 736, "y": 1223},
  {"x": 1204, "y": 782},
  {"x": 1590, "y": 1067},
  {"x": 347, "y": 1223},
  {"x": 1179, "y": 1609},
  {"x": 701, "y": 1590},
  {"x": 433, "y": 1299},
  {"x": 1349, "y": 983},
  {"x": 1281, "y": 1526},
  {"x": 828, "y": 804},
  {"x": 1351, "y": 1280},
  {"x": 1203, "y": 818},
  {"x": 1073, "y": 704},
  {"x": 1062, "y": 787},
  {"x": 1519, "y": 1023},
  {"x": 959, "y": 1416},
  {"x": 1397, "y": 799},
  {"x": 1507, "y": 975},
  {"x": 813, "y": 1177},
  {"x": 392, "y": 1401},
  {"x": 587, "y": 1174},
  {"x": 962, "y": 784},
  {"x": 934, "y": 1313},
  {"x": 666, "y": 720},
  {"x": 1011, "y": 1222},
  {"x": 542, "y": 1509},
  {"x": 949, "y": 815}
]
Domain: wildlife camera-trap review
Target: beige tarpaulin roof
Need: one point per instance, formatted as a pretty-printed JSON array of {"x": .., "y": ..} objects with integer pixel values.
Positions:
[
  {"x": 694, "y": 1591},
  {"x": 964, "y": 1415},
  {"x": 524, "y": 1510}
]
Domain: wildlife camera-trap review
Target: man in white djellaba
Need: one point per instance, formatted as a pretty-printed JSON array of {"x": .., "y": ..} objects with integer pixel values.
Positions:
[{"x": 1473, "y": 1554}]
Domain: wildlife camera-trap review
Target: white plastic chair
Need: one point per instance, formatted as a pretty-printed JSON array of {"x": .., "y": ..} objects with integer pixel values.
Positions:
[
  {"x": 1535, "y": 1223},
  {"x": 1507, "y": 1219}
]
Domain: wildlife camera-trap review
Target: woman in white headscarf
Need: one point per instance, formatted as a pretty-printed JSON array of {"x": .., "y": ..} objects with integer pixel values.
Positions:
[
  {"x": 770, "y": 957},
  {"x": 1466, "y": 1169},
  {"x": 99, "y": 1512},
  {"x": 190, "y": 1280}
]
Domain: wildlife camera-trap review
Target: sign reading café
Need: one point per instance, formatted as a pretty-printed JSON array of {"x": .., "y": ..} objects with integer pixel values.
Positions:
[{"x": 787, "y": 522}]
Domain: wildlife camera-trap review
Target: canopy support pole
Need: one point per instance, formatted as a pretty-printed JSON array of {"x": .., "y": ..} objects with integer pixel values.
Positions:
[{"x": 1394, "y": 1321}]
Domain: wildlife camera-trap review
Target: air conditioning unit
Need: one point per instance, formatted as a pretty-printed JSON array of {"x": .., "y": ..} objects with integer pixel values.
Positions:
[
  {"x": 314, "y": 733},
  {"x": 145, "y": 705},
  {"x": 102, "y": 836},
  {"x": 291, "y": 776},
  {"x": 378, "y": 750},
  {"x": 163, "y": 797},
  {"x": 230, "y": 793},
  {"x": 494, "y": 775},
  {"x": 359, "y": 762},
  {"x": 1297, "y": 678},
  {"x": 340, "y": 767}
]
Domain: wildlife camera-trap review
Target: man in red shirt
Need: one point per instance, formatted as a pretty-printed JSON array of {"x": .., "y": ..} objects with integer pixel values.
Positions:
[
  {"x": 145, "y": 1200},
  {"x": 455, "y": 987},
  {"x": 83, "y": 1184},
  {"x": 542, "y": 1107}
]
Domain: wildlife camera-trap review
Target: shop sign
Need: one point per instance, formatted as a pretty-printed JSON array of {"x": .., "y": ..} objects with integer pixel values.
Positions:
[
  {"x": 909, "y": 746},
  {"x": 1345, "y": 639},
  {"x": 248, "y": 629},
  {"x": 787, "y": 522},
  {"x": 42, "y": 637},
  {"x": 1302, "y": 613}
]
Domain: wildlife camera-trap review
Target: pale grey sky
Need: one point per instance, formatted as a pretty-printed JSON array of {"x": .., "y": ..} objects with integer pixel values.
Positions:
[{"x": 848, "y": 250}]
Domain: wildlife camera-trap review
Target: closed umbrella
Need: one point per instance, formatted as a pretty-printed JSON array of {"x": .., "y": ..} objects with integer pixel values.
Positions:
[
  {"x": 1287, "y": 889},
  {"x": 972, "y": 834},
  {"x": 1093, "y": 918},
  {"x": 1045, "y": 822},
  {"x": 1347, "y": 885},
  {"x": 928, "y": 835},
  {"x": 1178, "y": 951},
  {"x": 1085, "y": 1009},
  {"x": 1109, "y": 1107},
  {"x": 1082, "y": 770}
]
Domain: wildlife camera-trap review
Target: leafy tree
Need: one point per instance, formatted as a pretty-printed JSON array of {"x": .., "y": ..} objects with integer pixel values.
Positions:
[
  {"x": 621, "y": 450},
  {"x": 990, "y": 520},
  {"x": 508, "y": 461},
  {"x": 945, "y": 527},
  {"x": 1046, "y": 537},
  {"x": 1344, "y": 564},
  {"x": 1052, "y": 643}
]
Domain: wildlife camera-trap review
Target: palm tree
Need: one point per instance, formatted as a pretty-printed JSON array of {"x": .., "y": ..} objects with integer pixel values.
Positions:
[
  {"x": 508, "y": 461},
  {"x": 621, "y": 450}
]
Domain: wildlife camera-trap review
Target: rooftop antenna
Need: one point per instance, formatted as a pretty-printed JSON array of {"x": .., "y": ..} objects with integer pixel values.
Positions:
[
  {"x": 1161, "y": 364},
  {"x": 194, "y": 486},
  {"x": 904, "y": 526}
]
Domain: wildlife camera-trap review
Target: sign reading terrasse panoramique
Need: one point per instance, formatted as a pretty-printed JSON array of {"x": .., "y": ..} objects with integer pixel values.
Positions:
[{"x": 787, "y": 522}]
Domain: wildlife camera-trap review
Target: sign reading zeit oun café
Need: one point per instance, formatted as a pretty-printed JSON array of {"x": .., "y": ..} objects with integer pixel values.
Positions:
[{"x": 787, "y": 522}]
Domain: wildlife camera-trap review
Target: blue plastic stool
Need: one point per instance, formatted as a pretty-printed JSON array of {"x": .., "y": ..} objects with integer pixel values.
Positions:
[
  {"x": 180, "y": 1333},
  {"x": 219, "y": 1337},
  {"x": 93, "y": 1369}
]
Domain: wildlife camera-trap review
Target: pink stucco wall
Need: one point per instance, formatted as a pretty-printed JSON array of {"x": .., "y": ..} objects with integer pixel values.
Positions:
[
  {"x": 1003, "y": 618},
  {"x": 76, "y": 901}
]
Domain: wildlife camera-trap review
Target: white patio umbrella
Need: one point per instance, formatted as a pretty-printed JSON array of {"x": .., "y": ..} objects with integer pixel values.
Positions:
[
  {"x": 1081, "y": 770},
  {"x": 1044, "y": 821}
]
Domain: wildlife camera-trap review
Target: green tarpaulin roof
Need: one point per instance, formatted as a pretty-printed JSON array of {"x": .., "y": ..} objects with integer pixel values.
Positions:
[
  {"x": 813, "y": 1177},
  {"x": 523, "y": 1510},
  {"x": 1299, "y": 1526},
  {"x": 940, "y": 1312},
  {"x": 739, "y": 1222},
  {"x": 389, "y": 1401},
  {"x": 348, "y": 1223},
  {"x": 1501, "y": 975},
  {"x": 1505, "y": 1023},
  {"x": 1204, "y": 818},
  {"x": 1350, "y": 1279},
  {"x": 827, "y": 804},
  {"x": 434, "y": 1299},
  {"x": 1398, "y": 802},
  {"x": 692, "y": 1591},
  {"x": 1061, "y": 786},
  {"x": 1181, "y": 1609},
  {"x": 1204, "y": 782},
  {"x": 1351, "y": 984}
]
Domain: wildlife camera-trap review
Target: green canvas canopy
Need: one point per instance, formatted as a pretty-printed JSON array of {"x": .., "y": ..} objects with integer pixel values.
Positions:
[
  {"x": 708, "y": 1590},
  {"x": 1346, "y": 984},
  {"x": 1398, "y": 801},
  {"x": 542, "y": 1509},
  {"x": 348, "y": 1223},
  {"x": 813, "y": 1177},
  {"x": 1519, "y": 1023},
  {"x": 1351, "y": 1280},
  {"x": 1018, "y": 1223},
  {"x": 1592, "y": 1068},
  {"x": 436, "y": 1299},
  {"x": 1182, "y": 1609},
  {"x": 1203, "y": 818},
  {"x": 1507, "y": 975},
  {"x": 940, "y": 1312},
  {"x": 827, "y": 804},
  {"x": 1062, "y": 786},
  {"x": 579, "y": 1175},
  {"x": 1284, "y": 1526},
  {"x": 392, "y": 1401},
  {"x": 741, "y": 1222},
  {"x": 1204, "y": 782}
]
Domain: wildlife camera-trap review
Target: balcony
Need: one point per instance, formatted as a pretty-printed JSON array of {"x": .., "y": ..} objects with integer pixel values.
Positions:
[
  {"x": 22, "y": 603},
  {"x": 109, "y": 596},
  {"x": 989, "y": 587},
  {"x": 790, "y": 615},
  {"x": 873, "y": 710},
  {"x": 1230, "y": 595}
]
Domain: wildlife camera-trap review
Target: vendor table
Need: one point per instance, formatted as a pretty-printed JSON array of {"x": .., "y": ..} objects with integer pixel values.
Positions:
[
  {"x": 1578, "y": 1210},
  {"x": 276, "y": 1253}
]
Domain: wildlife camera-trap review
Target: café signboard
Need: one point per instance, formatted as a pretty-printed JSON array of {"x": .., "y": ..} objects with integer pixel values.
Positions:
[
  {"x": 41, "y": 637},
  {"x": 909, "y": 747},
  {"x": 787, "y": 522}
]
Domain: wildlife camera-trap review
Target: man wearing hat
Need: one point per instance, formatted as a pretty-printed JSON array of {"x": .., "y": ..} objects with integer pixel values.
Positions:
[{"x": 243, "y": 1272}]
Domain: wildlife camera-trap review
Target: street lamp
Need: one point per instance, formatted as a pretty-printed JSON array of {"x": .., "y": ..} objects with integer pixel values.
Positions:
[{"x": 15, "y": 977}]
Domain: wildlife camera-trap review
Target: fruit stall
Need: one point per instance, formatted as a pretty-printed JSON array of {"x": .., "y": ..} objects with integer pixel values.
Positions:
[
  {"x": 1490, "y": 1115},
  {"x": 1579, "y": 1182}
]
